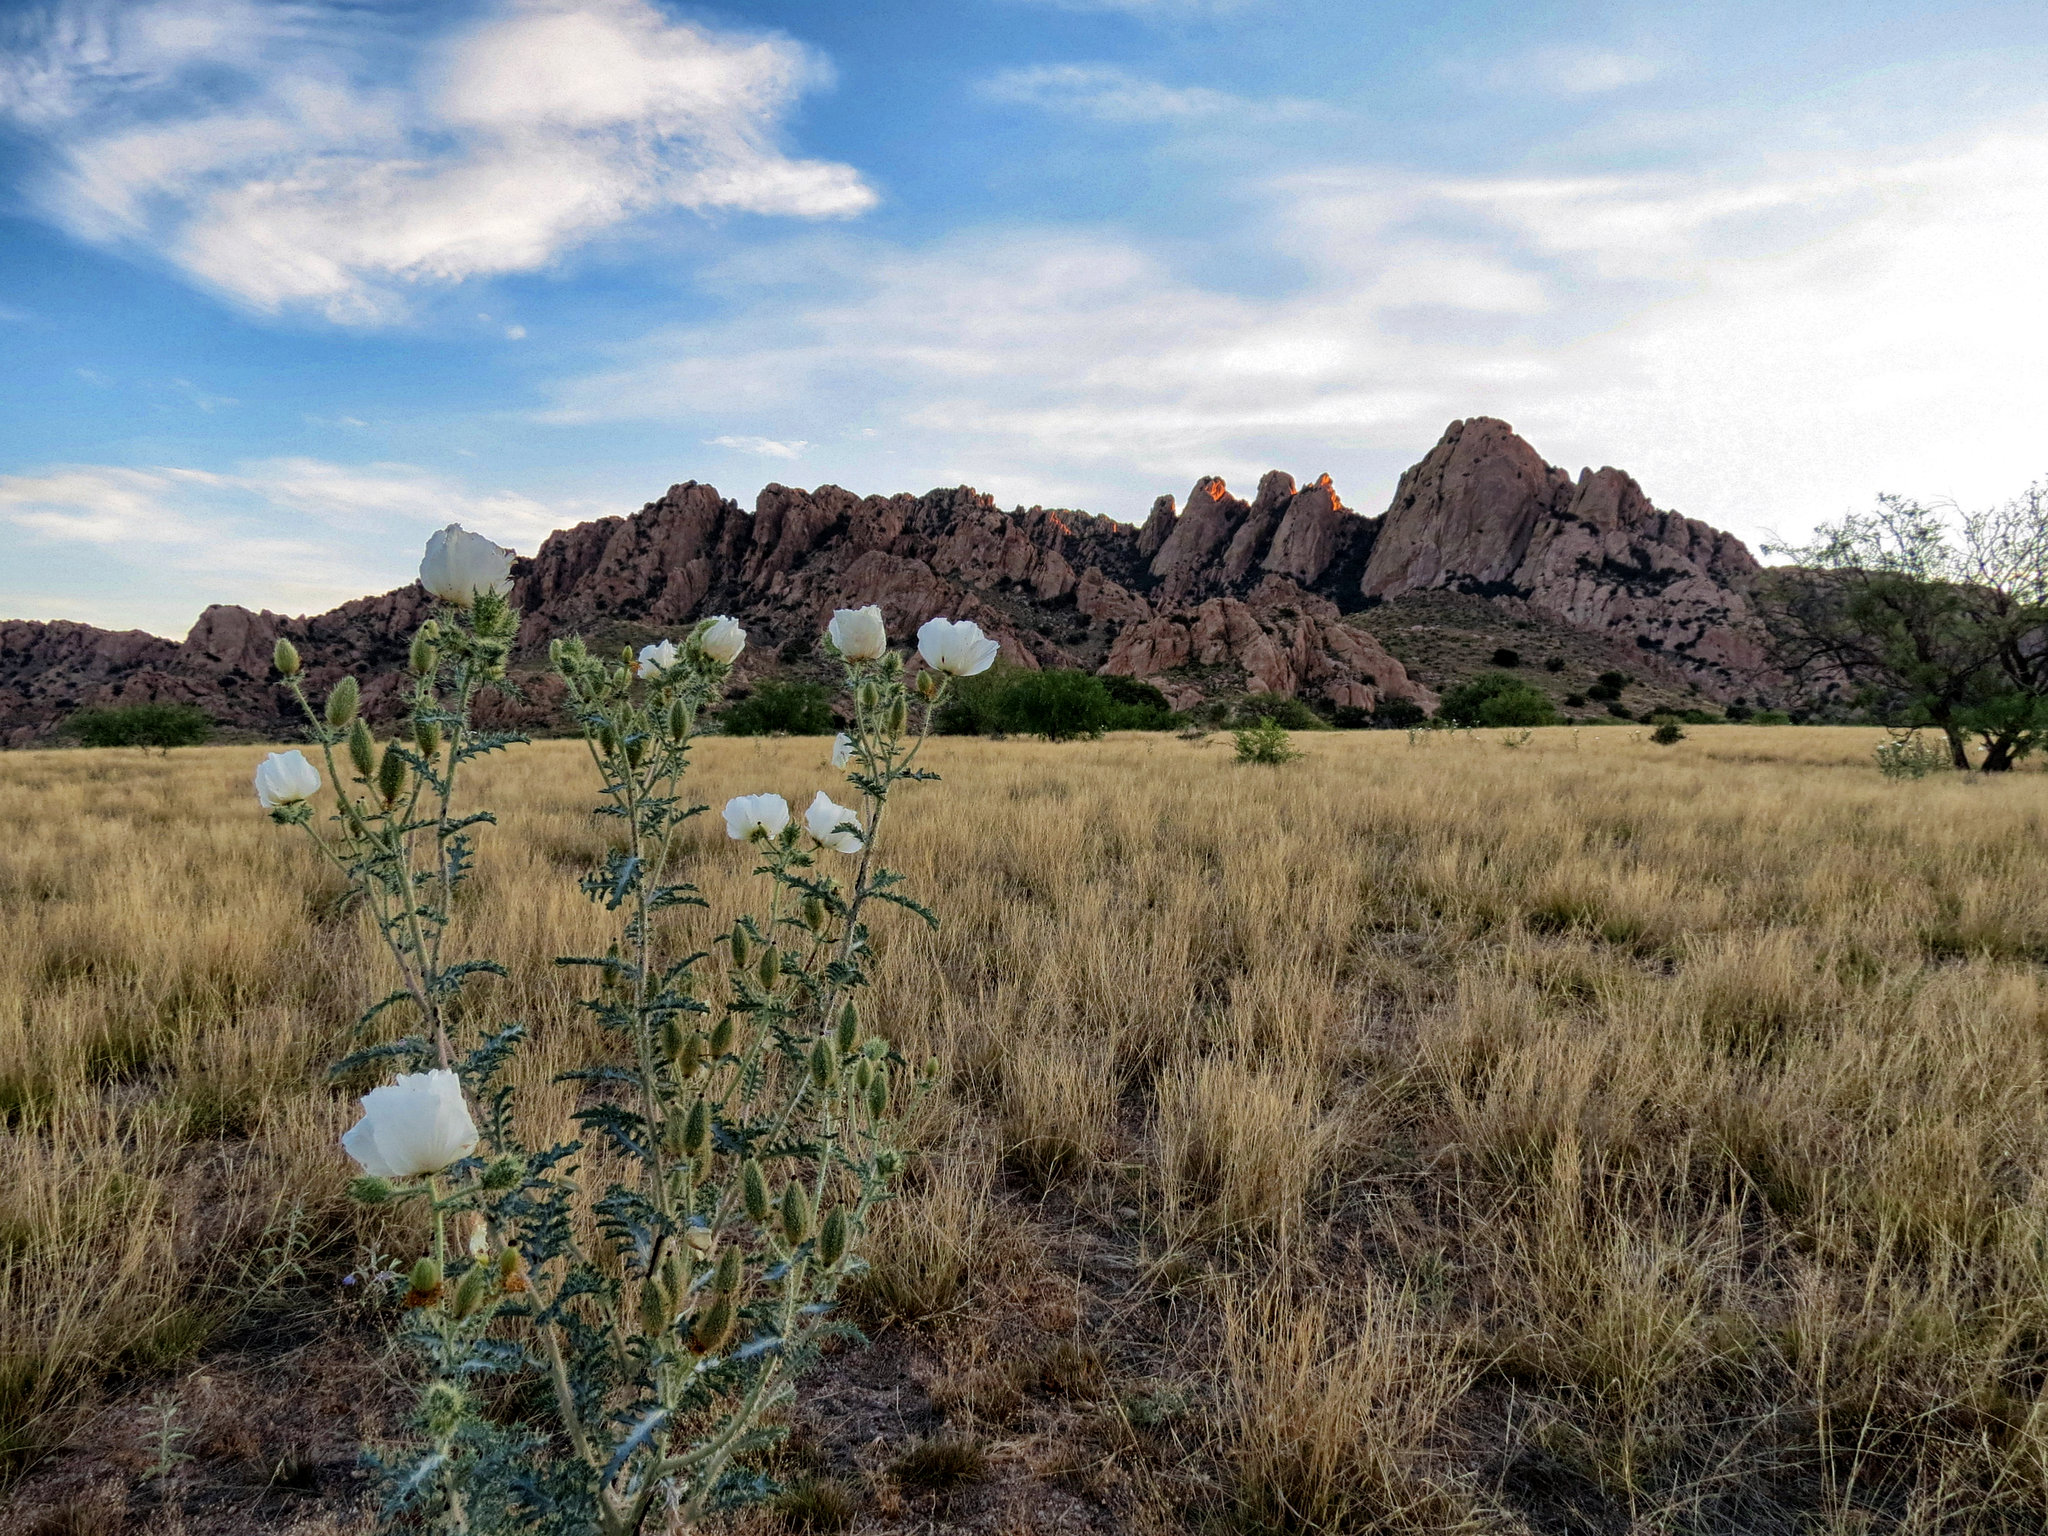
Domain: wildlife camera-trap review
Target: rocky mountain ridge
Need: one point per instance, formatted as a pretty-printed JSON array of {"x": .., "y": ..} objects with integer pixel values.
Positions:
[{"x": 1216, "y": 595}]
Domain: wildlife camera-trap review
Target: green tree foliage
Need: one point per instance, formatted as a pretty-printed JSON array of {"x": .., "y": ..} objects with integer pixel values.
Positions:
[
  {"x": 1934, "y": 616},
  {"x": 1668, "y": 734},
  {"x": 1288, "y": 712},
  {"x": 1506, "y": 656},
  {"x": 781, "y": 709},
  {"x": 140, "y": 725},
  {"x": 1057, "y": 704},
  {"x": 1497, "y": 698}
]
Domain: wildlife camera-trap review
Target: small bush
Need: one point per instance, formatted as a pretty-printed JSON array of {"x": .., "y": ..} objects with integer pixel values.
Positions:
[
  {"x": 1616, "y": 680},
  {"x": 1575, "y": 701},
  {"x": 1620, "y": 711},
  {"x": 162, "y": 726},
  {"x": 781, "y": 709},
  {"x": 1495, "y": 698},
  {"x": 1911, "y": 757},
  {"x": 1507, "y": 657},
  {"x": 941, "y": 1464},
  {"x": 1770, "y": 717},
  {"x": 1553, "y": 664},
  {"x": 1265, "y": 743},
  {"x": 1669, "y": 734},
  {"x": 816, "y": 1504},
  {"x": 1137, "y": 706}
]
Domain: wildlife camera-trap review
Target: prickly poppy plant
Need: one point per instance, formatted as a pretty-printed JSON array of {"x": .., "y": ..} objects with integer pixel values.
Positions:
[{"x": 662, "y": 1279}]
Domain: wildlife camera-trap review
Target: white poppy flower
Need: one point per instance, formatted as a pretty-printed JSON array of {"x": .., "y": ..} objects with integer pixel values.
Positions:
[
  {"x": 828, "y": 823},
  {"x": 858, "y": 633},
  {"x": 459, "y": 565},
  {"x": 960, "y": 650},
  {"x": 286, "y": 778},
  {"x": 748, "y": 816},
  {"x": 417, "y": 1125},
  {"x": 842, "y": 750},
  {"x": 723, "y": 639},
  {"x": 656, "y": 659}
]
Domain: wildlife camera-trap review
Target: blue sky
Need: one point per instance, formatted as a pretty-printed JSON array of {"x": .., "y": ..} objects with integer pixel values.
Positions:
[{"x": 285, "y": 285}]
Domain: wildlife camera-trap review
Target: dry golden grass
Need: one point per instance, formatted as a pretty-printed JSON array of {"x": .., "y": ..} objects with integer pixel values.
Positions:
[{"x": 1587, "y": 1135}]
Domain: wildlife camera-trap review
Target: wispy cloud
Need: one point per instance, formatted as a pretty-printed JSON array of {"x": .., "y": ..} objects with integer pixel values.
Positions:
[
  {"x": 1879, "y": 314},
  {"x": 303, "y": 156},
  {"x": 764, "y": 447},
  {"x": 1108, "y": 94},
  {"x": 1586, "y": 71},
  {"x": 295, "y": 533}
]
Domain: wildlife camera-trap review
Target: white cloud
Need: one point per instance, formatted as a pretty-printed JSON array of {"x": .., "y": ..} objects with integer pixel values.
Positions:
[
  {"x": 1760, "y": 346},
  {"x": 1577, "y": 71},
  {"x": 291, "y": 533},
  {"x": 1108, "y": 94},
  {"x": 295, "y": 156},
  {"x": 765, "y": 447}
]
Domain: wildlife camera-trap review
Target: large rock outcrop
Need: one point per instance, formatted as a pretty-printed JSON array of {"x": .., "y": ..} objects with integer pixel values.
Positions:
[{"x": 1218, "y": 594}]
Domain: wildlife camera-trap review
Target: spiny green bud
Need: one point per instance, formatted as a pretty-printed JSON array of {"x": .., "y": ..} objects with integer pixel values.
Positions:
[
  {"x": 796, "y": 1213},
  {"x": 443, "y": 1406},
  {"x": 863, "y": 1074},
  {"x": 770, "y": 968},
  {"x": 931, "y": 1069},
  {"x": 370, "y": 1190},
  {"x": 824, "y": 1064},
  {"x": 877, "y": 1049},
  {"x": 608, "y": 741},
  {"x": 362, "y": 751},
  {"x": 426, "y": 735},
  {"x": 714, "y": 1324},
  {"x": 285, "y": 657},
  {"x": 341, "y": 703},
  {"x": 555, "y": 653},
  {"x": 892, "y": 664},
  {"x": 832, "y": 1237},
  {"x": 721, "y": 1036},
  {"x": 431, "y": 628},
  {"x": 899, "y": 716},
  {"x": 754, "y": 1191},
  {"x": 732, "y": 1269},
  {"x": 867, "y": 698},
  {"x": 697, "y": 1129},
  {"x": 627, "y": 659},
  {"x": 678, "y": 720},
  {"x": 503, "y": 1173},
  {"x": 672, "y": 1136},
  {"x": 636, "y": 750},
  {"x": 391, "y": 775},
  {"x": 424, "y": 655},
  {"x": 657, "y": 1305},
  {"x": 425, "y": 1278},
  {"x": 742, "y": 944},
  {"x": 470, "y": 1292},
  {"x": 928, "y": 684},
  {"x": 814, "y": 913},
  {"x": 509, "y": 1269},
  {"x": 849, "y": 1027},
  {"x": 878, "y": 1095},
  {"x": 674, "y": 1034},
  {"x": 888, "y": 1162}
]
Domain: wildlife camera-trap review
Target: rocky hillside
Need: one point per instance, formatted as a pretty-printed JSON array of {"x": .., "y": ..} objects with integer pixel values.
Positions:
[{"x": 1216, "y": 596}]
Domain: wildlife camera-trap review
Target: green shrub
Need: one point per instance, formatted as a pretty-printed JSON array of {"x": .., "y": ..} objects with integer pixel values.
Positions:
[
  {"x": 1911, "y": 757},
  {"x": 1057, "y": 704},
  {"x": 1288, "y": 712},
  {"x": 1495, "y": 698},
  {"x": 1553, "y": 664},
  {"x": 1265, "y": 742},
  {"x": 1669, "y": 734},
  {"x": 1575, "y": 701},
  {"x": 1138, "y": 706},
  {"x": 1619, "y": 711},
  {"x": 781, "y": 709},
  {"x": 1770, "y": 717},
  {"x": 140, "y": 725},
  {"x": 1398, "y": 715},
  {"x": 1507, "y": 657}
]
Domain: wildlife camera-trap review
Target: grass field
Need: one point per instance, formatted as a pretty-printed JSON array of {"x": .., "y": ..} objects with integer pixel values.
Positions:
[{"x": 1436, "y": 1135}]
